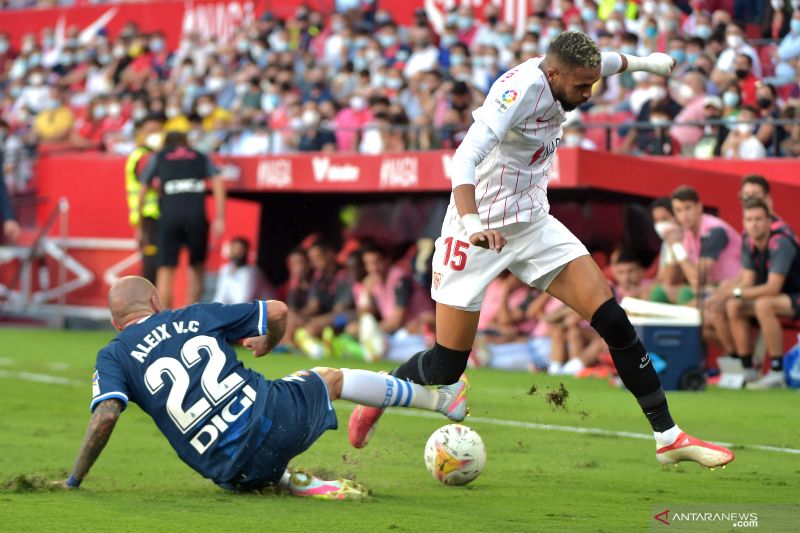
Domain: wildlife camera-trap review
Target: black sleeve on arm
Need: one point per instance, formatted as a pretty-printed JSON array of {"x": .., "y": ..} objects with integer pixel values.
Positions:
[
  {"x": 712, "y": 245},
  {"x": 149, "y": 173}
]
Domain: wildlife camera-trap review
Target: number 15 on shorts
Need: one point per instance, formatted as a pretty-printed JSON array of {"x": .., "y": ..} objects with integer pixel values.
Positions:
[{"x": 454, "y": 256}]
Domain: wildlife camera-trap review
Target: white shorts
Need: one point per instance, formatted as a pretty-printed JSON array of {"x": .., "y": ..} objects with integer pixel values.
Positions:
[{"x": 535, "y": 252}]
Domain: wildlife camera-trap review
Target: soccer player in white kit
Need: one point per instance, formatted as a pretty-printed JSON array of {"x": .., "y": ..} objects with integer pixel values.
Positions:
[{"x": 498, "y": 219}]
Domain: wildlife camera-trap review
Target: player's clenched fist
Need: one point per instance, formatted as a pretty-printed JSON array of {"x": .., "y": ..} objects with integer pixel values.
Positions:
[
  {"x": 490, "y": 239},
  {"x": 257, "y": 345}
]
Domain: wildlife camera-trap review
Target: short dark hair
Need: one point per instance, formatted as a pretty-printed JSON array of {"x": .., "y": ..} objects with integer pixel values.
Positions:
[
  {"x": 662, "y": 201},
  {"x": 371, "y": 247},
  {"x": 575, "y": 49},
  {"x": 624, "y": 255},
  {"x": 697, "y": 41},
  {"x": 174, "y": 139},
  {"x": 749, "y": 59},
  {"x": 684, "y": 193},
  {"x": 756, "y": 179},
  {"x": 322, "y": 244},
  {"x": 755, "y": 203}
]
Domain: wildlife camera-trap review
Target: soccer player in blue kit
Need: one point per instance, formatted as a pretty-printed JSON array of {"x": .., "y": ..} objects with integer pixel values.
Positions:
[{"x": 228, "y": 422}]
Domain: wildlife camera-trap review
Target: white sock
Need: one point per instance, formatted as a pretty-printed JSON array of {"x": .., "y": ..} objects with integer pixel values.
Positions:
[
  {"x": 665, "y": 438},
  {"x": 554, "y": 368},
  {"x": 572, "y": 367},
  {"x": 383, "y": 390}
]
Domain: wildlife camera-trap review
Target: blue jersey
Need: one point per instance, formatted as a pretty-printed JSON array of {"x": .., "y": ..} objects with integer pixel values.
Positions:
[{"x": 181, "y": 369}]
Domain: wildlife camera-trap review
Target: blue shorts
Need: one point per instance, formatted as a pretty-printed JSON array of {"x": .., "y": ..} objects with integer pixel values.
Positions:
[{"x": 301, "y": 412}]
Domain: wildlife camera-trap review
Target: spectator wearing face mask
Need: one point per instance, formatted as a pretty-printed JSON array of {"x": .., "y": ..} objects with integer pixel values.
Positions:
[
  {"x": 670, "y": 283},
  {"x": 676, "y": 48},
  {"x": 35, "y": 93},
  {"x": 16, "y": 154},
  {"x": 138, "y": 70},
  {"x": 788, "y": 51},
  {"x": 641, "y": 139},
  {"x": 485, "y": 67},
  {"x": 424, "y": 55},
  {"x": 660, "y": 142},
  {"x": 464, "y": 20},
  {"x": 88, "y": 131},
  {"x": 745, "y": 79},
  {"x": 731, "y": 100},
  {"x": 692, "y": 95},
  {"x": 736, "y": 45},
  {"x": 714, "y": 135},
  {"x": 315, "y": 138},
  {"x": 770, "y": 135},
  {"x": 54, "y": 123},
  {"x": 176, "y": 119},
  {"x": 742, "y": 142},
  {"x": 160, "y": 57},
  {"x": 574, "y": 132},
  {"x": 211, "y": 113},
  {"x": 349, "y": 121}
]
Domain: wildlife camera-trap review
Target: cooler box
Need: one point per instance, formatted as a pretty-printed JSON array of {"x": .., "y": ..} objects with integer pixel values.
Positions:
[{"x": 671, "y": 335}]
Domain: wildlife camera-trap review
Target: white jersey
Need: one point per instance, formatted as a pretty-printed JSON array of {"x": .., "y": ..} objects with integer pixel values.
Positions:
[{"x": 511, "y": 182}]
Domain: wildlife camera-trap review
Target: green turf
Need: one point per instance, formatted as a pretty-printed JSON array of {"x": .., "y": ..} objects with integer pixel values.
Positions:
[{"x": 535, "y": 480}]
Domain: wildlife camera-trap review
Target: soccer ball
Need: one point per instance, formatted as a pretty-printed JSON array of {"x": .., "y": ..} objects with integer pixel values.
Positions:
[{"x": 455, "y": 454}]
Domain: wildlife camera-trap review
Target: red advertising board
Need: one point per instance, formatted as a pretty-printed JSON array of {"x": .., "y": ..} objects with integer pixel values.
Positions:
[
  {"x": 218, "y": 18},
  {"x": 221, "y": 17},
  {"x": 101, "y": 240}
]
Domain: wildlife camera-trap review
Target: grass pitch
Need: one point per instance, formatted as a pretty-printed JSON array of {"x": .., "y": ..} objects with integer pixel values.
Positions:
[{"x": 535, "y": 479}]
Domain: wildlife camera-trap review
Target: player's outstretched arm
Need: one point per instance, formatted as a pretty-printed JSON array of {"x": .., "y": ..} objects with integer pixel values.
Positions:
[
  {"x": 613, "y": 63},
  {"x": 478, "y": 142},
  {"x": 104, "y": 418}
]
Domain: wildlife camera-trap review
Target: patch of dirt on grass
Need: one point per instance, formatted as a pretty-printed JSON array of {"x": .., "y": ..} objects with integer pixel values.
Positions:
[{"x": 558, "y": 398}]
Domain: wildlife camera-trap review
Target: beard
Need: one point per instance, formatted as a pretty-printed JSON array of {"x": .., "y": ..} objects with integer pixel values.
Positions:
[
  {"x": 565, "y": 104},
  {"x": 568, "y": 106}
]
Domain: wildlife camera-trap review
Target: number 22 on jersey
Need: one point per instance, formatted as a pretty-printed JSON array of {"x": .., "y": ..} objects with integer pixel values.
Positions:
[{"x": 216, "y": 390}]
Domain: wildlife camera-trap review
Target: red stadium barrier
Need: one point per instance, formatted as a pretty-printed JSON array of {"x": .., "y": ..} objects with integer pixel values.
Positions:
[{"x": 93, "y": 185}]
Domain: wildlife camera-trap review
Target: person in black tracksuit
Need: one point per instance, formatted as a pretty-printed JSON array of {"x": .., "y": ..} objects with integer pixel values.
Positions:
[{"x": 179, "y": 173}]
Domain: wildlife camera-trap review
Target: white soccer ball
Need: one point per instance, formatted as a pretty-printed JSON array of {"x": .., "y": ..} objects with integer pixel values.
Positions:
[{"x": 455, "y": 454}]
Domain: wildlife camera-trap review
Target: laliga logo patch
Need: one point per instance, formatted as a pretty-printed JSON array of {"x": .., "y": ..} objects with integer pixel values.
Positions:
[
  {"x": 437, "y": 279},
  {"x": 510, "y": 96},
  {"x": 95, "y": 384},
  {"x": 506, "y": 100}
]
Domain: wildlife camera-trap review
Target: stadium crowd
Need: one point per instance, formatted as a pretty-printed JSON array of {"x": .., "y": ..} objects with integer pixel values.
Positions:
[{"x": 357, "y": 81}]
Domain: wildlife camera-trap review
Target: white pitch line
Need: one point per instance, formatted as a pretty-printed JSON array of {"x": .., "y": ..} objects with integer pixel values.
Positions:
[
  {"x": 577, "y": 429},
  {"x": 39, "y": 378},
  {"x": 57, "y": 380}
]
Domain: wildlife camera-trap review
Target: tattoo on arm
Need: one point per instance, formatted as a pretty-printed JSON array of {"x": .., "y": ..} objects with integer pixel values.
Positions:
[{"x": 100, "y": 427}]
